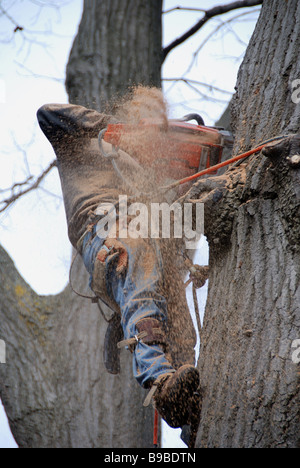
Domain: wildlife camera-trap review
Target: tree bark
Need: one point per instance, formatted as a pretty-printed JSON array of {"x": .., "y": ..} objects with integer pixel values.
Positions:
[
  {"x": 119, "y": 45},
  {"x": 251, "y": 391},
  {"x": 263, "y": 104}
]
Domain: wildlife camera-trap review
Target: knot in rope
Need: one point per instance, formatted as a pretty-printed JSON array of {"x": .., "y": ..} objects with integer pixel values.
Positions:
[{"x": 198, "y": 276}]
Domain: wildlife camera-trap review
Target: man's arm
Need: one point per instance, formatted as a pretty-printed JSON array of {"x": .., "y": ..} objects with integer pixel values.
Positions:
[{"x": 68, "y": 121}]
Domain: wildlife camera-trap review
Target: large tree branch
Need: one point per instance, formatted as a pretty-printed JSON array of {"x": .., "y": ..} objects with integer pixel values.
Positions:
[
  {"x": 216, "y": 11},
  {"x": 45, "y": 384}
]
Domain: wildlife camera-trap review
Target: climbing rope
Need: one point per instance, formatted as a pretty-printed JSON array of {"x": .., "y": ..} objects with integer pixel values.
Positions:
[{"x": 198, "y": 276}]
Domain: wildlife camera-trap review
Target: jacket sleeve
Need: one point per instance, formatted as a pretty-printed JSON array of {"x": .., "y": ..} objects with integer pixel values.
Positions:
[{"x": 69, "y": 121}]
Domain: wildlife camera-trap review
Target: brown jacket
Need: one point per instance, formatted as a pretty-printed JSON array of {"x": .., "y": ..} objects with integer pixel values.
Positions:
[{"x": 87, "y": 178}]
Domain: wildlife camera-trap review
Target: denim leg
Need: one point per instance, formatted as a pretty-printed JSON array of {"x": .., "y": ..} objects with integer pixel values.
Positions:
[
  {"x": 90, "y": 248},
  {"x": 137, "y": 292}
]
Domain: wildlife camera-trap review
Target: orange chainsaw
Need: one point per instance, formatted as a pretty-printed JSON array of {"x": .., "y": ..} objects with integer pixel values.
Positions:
[{"x": 174, "y": 150}]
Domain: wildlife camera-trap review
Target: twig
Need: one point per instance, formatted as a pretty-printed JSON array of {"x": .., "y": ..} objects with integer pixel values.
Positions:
[
  {"x": 37, "y": 75},
  {"x": 199, "y": 83},
  {"x": 183, "y": 9},
  {"x": 9, "y": 201},
  {"x": 192, "y": 85},
  {"x": 216, "y": 11},
  {"x": 215, "y": 31},
  {"x": 10, "y": 18}
]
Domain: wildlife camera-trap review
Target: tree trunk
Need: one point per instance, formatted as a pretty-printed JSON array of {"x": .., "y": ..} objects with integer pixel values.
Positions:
[
  {"x": 54, "y": 387},
  {"x": 250, "y": 383},
  {"x": 119, "y": 44}
]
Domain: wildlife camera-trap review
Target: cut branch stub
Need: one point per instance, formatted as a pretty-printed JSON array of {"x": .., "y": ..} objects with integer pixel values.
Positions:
[{"x": 288, "y": 149}]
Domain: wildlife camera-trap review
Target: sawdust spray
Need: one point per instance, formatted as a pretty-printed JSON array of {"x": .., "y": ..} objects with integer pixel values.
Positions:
[
  {"x": 145, "y": 143},
  {"x": 145, "y": 113}
]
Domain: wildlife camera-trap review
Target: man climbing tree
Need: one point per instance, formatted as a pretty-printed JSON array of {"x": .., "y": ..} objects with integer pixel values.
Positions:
[
  {"x": 136, "y": 276},
  {"x": 250, "y": 381}
]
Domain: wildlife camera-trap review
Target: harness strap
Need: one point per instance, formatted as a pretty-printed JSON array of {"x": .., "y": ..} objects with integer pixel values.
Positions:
[
  {"x": 155, "y": 386},
  {"x": 150, "y": 332},
  {"x": 132, "y": 342}
]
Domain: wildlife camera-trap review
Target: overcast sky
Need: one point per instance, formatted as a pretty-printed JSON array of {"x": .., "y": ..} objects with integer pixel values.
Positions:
[{"x": 34, "y": 230}]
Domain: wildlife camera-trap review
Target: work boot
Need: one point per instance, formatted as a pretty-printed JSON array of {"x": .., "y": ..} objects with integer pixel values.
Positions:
[{"x": 175, "y": 395}]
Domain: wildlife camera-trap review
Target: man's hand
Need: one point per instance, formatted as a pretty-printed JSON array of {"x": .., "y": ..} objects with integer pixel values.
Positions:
[{"x": 112, "y": 246}]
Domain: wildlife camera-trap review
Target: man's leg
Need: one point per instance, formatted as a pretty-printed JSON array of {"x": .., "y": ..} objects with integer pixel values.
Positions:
[
  {"x": 137, "y": 289},
  {"x": 138, "y": 292}
]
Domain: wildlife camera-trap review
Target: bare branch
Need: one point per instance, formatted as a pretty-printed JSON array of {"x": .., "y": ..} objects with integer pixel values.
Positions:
[
  {"x": 37, "y": 75},
  {"x": 183, "y": 9},
  {"x": 27, "y": 34},
  {"x": 10, "y": 18},
  {"x": 15, "y": 196},
  {"x": 199, "y": 83},
  {"x": 216, "y": 11},
  {"x": 220, "y": 26}
]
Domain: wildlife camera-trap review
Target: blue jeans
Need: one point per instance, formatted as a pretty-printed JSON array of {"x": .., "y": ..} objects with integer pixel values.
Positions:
[{"x": 138, "y": 294}]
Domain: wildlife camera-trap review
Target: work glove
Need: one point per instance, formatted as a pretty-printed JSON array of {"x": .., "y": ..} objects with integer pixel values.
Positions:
[{"x": 111, "y": 247}]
